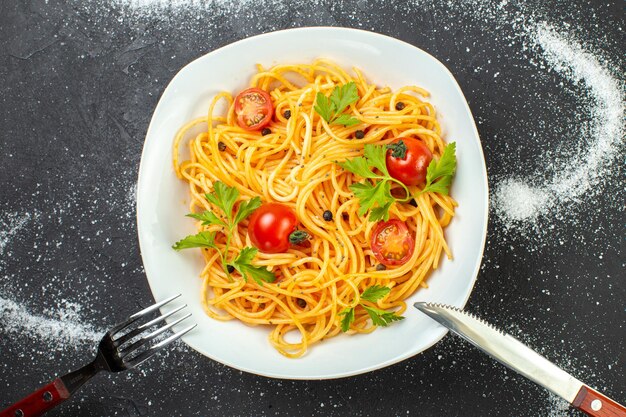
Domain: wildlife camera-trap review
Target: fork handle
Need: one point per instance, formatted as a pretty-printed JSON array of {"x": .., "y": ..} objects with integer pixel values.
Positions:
[{"x": 39, "y": 401}]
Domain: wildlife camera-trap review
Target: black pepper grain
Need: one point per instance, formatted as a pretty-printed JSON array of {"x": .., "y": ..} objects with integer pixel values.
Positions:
[
  {"x": 328, "y": 215},
  {"x": 266, "y": 131},
  {"x": 381, "y": 267},
  {"x": 287, "y": 114},
  {"x": 359, "y": 134},
  {"x": 221, "y": 146},
  {"x": 301, "y": 303},
  {"x": 230, "y": 269},
  {"x": 399, "y": 105}
]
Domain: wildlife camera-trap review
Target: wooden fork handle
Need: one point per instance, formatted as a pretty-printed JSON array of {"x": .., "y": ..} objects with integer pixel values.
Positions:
[
  {"x": 40, "y": 401},
  {"x": 595, "y": 404}
]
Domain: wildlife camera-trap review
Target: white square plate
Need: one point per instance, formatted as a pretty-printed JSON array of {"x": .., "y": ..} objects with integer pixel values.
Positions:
[{"x": 162, "y": 199}]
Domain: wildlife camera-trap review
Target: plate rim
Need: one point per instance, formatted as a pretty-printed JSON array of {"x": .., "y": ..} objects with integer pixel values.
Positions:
[{"x": 361, "y": 32}]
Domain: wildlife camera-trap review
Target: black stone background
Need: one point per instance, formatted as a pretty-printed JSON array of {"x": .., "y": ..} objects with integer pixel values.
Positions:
[{"x": 79, "y": 82}]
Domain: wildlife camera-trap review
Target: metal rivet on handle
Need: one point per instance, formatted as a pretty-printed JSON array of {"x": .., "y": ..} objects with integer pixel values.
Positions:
[
  {"x": 596, "y": 405},
  {"x": 47, "y": 396},
  {"x": 19, "y": 413}
]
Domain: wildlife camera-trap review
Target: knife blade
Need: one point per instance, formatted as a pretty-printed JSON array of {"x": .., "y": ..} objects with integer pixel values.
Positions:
[{"x": 516, "y": 355}]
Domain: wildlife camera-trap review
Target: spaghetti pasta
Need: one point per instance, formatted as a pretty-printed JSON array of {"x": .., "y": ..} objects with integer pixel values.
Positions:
[{"x": 296, "y": 164}]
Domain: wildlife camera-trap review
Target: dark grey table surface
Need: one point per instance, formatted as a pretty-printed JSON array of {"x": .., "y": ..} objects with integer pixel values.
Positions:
[{"x": 79, "y": 82}]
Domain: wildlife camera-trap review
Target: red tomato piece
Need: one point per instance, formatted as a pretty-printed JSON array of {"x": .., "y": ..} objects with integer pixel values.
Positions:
[
  {"x": 407, "y": 160},
  {"x": 392, "y": 243},
  {"x": 254, "y": 109},
  {"x": 272, "y": 228}
]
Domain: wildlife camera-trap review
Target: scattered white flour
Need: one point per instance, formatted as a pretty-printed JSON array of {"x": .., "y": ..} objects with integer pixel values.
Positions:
[
  {"x": 131, "y": 201},
  {"x": 131, "y": 195},
  {"x": 558, "y": 407},
  {"x": 146, "y": 4},
  {"x": 58, "y": 328},
  {"x": 520, "y": 201},
  {"x": 516, "y": 200},
  {"x": 152, "y": 8},
  {"x": 10, "y": 226}
]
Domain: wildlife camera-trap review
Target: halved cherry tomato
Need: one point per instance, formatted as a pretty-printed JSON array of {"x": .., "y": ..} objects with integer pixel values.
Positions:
[
  {"x": 392, "y": 243},
  {"x": 253, "y": 108},
  {"x": 272, "y": 228},
  {"x": 407, "y": 160}
]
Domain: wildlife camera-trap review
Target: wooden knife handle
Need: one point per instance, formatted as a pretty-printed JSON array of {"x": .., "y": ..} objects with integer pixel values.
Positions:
[
  {"x": 39, "y": 401},
  {"x": 597, "y": 405}
]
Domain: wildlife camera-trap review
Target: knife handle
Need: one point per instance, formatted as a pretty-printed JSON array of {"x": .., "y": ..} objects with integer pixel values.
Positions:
[{"x": 597, "y": 405}]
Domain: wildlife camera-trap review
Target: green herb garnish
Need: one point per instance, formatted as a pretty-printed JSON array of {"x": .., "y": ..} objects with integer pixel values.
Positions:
[
  {"x": 242, "y": 263},
  {"x": 440, "y": 172},
  {"x": 224, "y": 197},
  {"x": 331, "y": 108},
  {"x": 379, "y": 317},
  {"x": 371, "y": 194},
  {"x": 201, "y": 240}
]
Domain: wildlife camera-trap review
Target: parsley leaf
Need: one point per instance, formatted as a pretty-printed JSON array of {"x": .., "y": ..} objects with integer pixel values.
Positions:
[
  {"x": 348, "y": 318},
  {"x": 242, "y": 263},
  {"x": 246, "y": 208},
  {"x": 375, "y": 293},
  {"x": 346, "y": 120},
  {"x": 208, "y": 218},
  {"x": 323, "y": 107},
  {"x": 442, "y": 186},
  {"x": 223, "y": 197},
  {"x": 381, "y": 317},
  {"x": 330, "y": 108},
  {"x": 439, "y": 173},
  {"x": 344, "y": 95},
  {"x": 359, "y": 166},
  {"x": 373, "y": 196},
  {"x": 377, "y": 157},
  {"x": 380, "y": 213},
  {"x": 200, "y": 240},
  {"x": 369, "y": 194}
]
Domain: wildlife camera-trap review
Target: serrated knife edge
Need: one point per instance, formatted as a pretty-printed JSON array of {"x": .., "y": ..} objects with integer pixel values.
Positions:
[{"x": 505, "y": 349}]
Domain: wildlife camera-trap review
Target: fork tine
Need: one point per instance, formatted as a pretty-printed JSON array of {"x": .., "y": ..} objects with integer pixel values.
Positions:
[
  {"x": 126, "y": 351},
  {"x": 154, "y": 349},
  {"x": 120, "y": 340},
  {"x": 154, "y": 307},
  {"x": 140, "y": 314}
]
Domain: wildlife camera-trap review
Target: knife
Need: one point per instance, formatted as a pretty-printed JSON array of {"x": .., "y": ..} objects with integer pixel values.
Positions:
[{"x": 511, "y": 352}]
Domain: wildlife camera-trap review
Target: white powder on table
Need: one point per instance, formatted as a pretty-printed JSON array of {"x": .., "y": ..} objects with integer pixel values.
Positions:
[
  {"x": 517, "y": 201},
  {"x": 10, "y": 226},
  {"x": 146, "y": 4},
  {"x": 558, "y": 406},
  {"x": 57, "y": 328}
]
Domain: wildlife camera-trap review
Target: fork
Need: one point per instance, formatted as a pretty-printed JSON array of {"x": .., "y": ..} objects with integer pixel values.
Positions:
[{"x": 112, "y": 356}]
